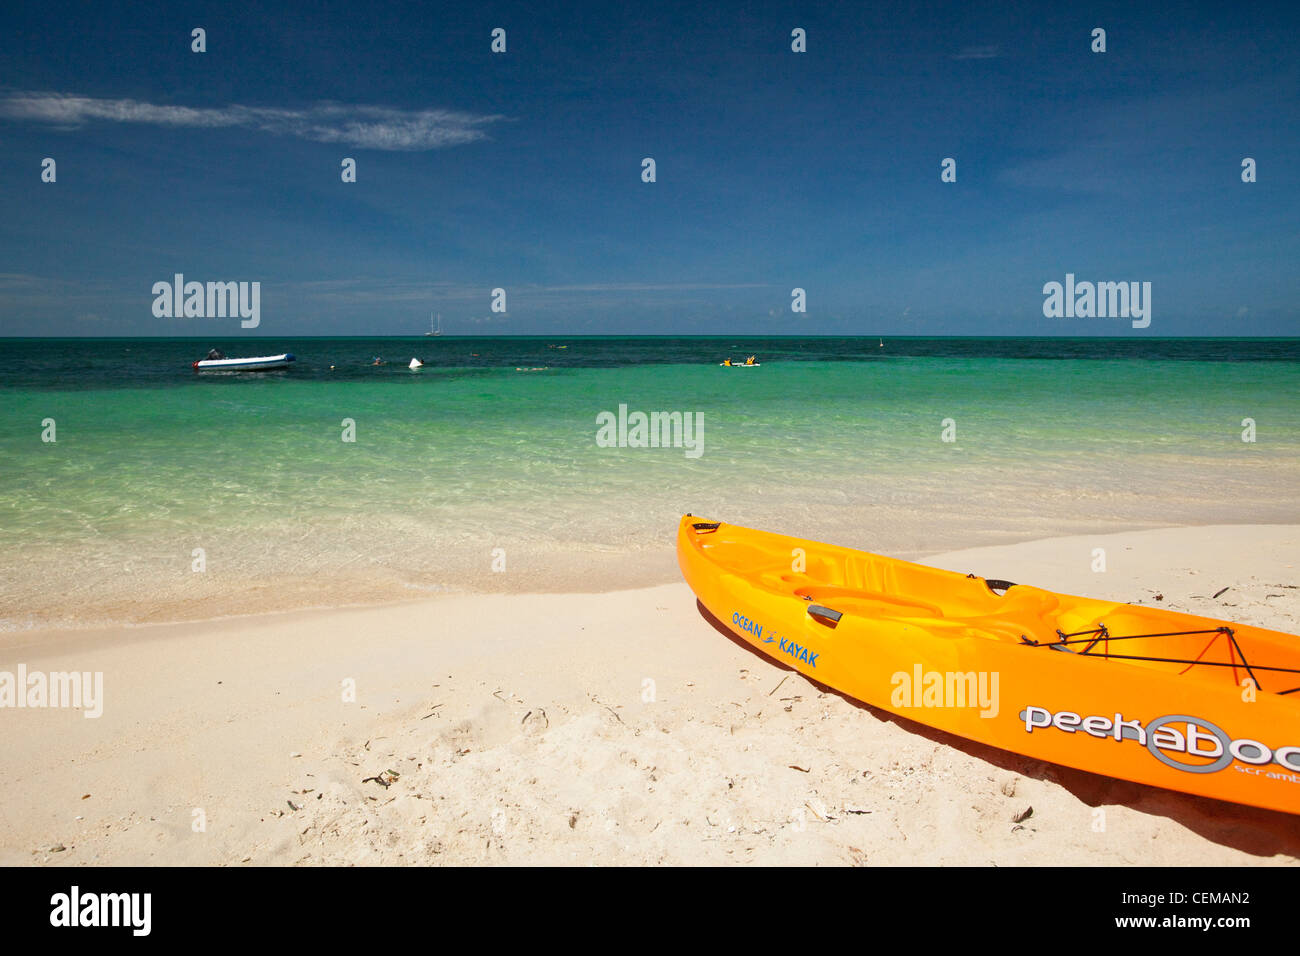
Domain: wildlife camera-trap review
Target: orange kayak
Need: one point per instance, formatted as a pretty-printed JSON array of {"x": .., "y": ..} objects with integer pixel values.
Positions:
[{"x": 1158, "y": 697}]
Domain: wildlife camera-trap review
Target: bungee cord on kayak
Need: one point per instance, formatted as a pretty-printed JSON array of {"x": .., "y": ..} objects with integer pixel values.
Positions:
[{"x": 1104, "y": 635}]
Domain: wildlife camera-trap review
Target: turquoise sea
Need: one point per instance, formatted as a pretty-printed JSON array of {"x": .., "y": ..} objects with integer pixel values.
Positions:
[{"x": 489, "y": 455}]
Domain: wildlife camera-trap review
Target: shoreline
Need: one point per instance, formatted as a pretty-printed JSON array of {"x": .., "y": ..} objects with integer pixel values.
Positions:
[
  {"x": 519, "y": 730},
  {"x": 586, "y": 573}
]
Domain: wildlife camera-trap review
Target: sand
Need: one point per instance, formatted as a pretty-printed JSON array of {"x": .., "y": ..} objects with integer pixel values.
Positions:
[{"x": 611, "y": 728}]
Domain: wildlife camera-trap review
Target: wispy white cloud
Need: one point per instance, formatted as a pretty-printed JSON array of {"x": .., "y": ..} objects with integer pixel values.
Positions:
[
  {"x": 659, "y": 287},
  {"x": 18, "y": 280},
  {"x": 367, "y": 127},
  {"x": 978, "y": 53},
  {"x": 389, "y": 289}
]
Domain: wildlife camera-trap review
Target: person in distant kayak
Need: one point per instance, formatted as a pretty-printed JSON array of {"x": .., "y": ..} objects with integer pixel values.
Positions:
[
  {"x": 215, "y": 354},
  {"x": 726, "y": 361},
  {"x": 750, "y": 360}
]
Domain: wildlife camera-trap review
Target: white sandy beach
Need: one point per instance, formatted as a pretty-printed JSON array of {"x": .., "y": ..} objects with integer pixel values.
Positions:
[{"x": 611, "y": 728}]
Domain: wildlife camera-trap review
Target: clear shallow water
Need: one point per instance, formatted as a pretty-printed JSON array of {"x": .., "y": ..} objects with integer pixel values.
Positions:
[{"x": 830, "y": 438}]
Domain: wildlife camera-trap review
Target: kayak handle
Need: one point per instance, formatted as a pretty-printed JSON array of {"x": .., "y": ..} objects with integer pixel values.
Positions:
[
  {"x": 702, "y": 526},
  {"x": 995, "y": 585},
  {"x": 824, "y": 615}
]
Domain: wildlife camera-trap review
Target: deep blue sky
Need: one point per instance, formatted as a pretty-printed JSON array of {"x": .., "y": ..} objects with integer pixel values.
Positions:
[{"x": 775, "y": 169}]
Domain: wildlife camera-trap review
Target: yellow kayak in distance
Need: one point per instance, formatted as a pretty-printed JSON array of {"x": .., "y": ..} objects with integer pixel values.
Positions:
[{"x": 1159, "y": 697}]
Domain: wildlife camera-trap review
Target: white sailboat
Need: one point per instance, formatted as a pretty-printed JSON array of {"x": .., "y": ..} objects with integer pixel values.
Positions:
[{"x": 435, "y": 329}]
